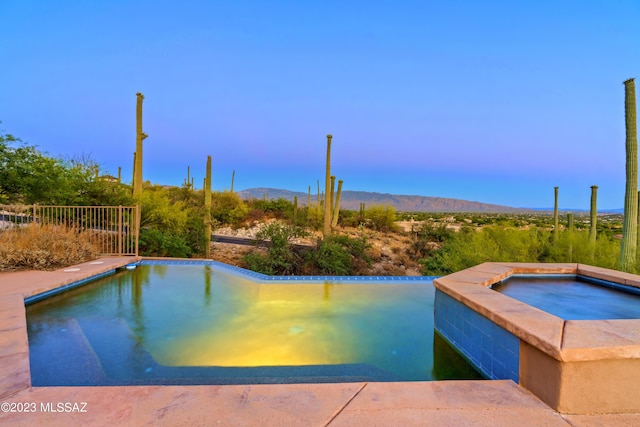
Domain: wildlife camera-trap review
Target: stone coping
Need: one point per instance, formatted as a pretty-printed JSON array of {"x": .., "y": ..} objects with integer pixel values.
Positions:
[{"x": 564, "y": 340}]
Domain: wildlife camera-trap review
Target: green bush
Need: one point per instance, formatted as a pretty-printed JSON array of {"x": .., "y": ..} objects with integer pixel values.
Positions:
[
  {"x": 497, "y": 243},
  {"x": 381, "y": 218},
  {"x": 160, "y": 243},
  {"x": 339, "y": 255},
  {"x": 280, "y": 258},
  {"x": 315, "y": 217},
  {"x": 280, "y": 208},
  {"x": 349, "y": 218},
  {"x": 228, "y": 208}
]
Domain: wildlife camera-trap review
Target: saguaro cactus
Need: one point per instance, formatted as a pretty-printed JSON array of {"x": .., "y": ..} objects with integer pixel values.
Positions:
[
  {"x": 332, "y": 195},
  {"x": 594, "y": 215},
  {"x": 207, "y": 209},
  {"x": 187, "y": 180},
  {"x": 570, "y": 231},
  {"x": 336, "y": 207},
  {"x": 556, "y": 222},
  {"x": 569, "y": 222},
  {"x": 140, "y": 136},
  {"x": 638, "y": 234},
  {"x": 133, "y": 170},
  {"x": 326, "y": 229},
  {"x": 627, "y": 260}
]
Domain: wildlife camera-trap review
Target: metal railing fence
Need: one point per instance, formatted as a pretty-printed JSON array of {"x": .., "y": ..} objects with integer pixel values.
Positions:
[{"x": 113, "y": 229}]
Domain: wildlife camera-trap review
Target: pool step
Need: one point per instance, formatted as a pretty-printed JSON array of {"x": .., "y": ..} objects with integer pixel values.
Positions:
[
  {"x": 126, "y": 362},
  {"x": 69, "y": 359}
]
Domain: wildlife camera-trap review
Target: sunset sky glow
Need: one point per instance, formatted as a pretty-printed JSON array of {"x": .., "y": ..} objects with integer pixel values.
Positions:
[{"x": 495, "y": 101}]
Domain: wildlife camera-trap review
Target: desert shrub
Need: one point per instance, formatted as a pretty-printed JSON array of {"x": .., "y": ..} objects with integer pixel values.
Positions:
[
  {"x": 497, "y": 243},
  {"x": 574, "y": 246},
  {"x": 228, "y": 208},
  {"x": 331, "y": 258},
  {"x": 154, "y": 242},
  {"x": 160, "y": 212},
  {"x": 280, "y": 257},
  {"x": 339, "y": 255},
  {"x": 381, "y": 218},
  {"x": 315, "y": 217},
  {"x": 280, "y": 208},
  {"x": 349, "y": 218},
  {"x": 44, "y": 247},
  {"x": 172, "y": 222}
]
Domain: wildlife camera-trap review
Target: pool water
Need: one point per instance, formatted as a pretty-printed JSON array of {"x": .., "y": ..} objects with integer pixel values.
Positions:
[
  {"x": 195, "y": 324},
  {"x": 574, "y": 297}
]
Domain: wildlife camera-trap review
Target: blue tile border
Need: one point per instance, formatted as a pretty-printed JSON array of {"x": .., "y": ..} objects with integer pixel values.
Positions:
[
  {"x": 252, "y": 275},
  {"x": 593, "y": 280},
  {"x": 44, "y": 295},
  {"x": 288, "y": 279},
  {"x": 491, "y": 349}
]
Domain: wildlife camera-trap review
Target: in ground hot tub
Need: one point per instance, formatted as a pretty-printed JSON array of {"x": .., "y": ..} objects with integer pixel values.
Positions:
[{"x": 575, "y": 366}]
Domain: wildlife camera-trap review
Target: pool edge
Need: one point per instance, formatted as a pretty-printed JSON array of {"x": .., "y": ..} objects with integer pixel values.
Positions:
[{"x": 558, "y": 358}]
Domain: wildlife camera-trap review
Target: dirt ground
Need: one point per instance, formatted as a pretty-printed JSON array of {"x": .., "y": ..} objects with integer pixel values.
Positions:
[{"x": 388, "y": 251}]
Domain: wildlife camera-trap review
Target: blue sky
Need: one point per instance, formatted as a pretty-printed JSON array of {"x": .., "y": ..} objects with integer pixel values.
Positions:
[{"x": 493, "y": 101}]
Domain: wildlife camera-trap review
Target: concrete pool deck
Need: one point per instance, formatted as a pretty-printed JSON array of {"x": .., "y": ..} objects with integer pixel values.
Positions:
[{"x": 480, "y": 403}]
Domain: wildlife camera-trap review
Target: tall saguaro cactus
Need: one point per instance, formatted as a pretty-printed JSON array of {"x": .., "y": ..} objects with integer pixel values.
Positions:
[
  {"x": 638, "y": 234},
  {"x": 187, "y": 180},
  {"x": 593, "y": 227},
  {"x": 336, "y": 207},
  {"x": 627, "y": 260},
  {"x": 326, "y": 229},
  {"x": 570, "y": 231},
  {"x": 140, "y": 136},
  {"x": 207, "y": 209},
  {"x": 556, "y": 222},
  {"x": 594, "y": 215},
  {"x": 332, "y": 195}
]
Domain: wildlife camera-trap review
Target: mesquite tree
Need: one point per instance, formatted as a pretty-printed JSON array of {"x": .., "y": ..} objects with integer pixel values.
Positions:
[{"x": 627, "y": 260}]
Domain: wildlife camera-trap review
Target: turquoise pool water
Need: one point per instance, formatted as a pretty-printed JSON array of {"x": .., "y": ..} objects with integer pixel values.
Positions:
[
  {"x": 199, "y": 324},
  {"x": 573, "y": 297}
]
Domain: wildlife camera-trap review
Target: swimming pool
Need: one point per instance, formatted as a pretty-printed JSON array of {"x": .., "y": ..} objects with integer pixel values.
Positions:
[
  {"x": 199, "y": 323},
  {"x": 574, "y": 297}
]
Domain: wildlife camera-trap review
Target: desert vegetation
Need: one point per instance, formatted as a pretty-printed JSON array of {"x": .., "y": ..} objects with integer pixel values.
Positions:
[
  {"x": 43, "y": 247},
  {"x": 289, "y": 239}
]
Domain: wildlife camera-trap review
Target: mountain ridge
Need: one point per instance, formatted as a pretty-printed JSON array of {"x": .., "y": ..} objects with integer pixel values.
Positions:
[{"x": 351, "y": 200}]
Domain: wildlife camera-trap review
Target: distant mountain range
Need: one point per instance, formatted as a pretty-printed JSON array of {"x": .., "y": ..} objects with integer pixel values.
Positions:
[{"x": 351, "y": 200}]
